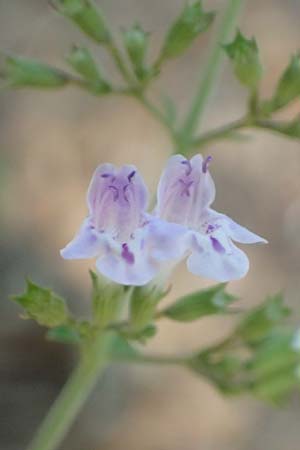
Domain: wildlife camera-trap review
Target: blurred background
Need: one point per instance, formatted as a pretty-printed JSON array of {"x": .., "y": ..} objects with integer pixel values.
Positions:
[{"x": 50, "y": 144}]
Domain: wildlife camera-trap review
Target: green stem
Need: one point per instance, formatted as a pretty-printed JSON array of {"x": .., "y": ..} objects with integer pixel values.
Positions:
[
  {"x": 75, "y": 392},
  {"x": 118, "y": 59},
  {"x": 210, "y": 73},
  {"x": 219, "y": 133}
]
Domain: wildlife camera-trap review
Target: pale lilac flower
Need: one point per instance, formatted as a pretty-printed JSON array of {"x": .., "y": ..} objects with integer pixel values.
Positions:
[
  {"x": 185, "y": 192},
  {"x": 131, "y": 246}
]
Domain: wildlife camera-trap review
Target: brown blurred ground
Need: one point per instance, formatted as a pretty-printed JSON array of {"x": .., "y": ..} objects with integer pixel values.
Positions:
[{"x": 50, "y": 144}]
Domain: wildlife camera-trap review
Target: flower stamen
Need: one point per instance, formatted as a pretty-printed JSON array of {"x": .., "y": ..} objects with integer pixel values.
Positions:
[{"x": 206, "y": 163}]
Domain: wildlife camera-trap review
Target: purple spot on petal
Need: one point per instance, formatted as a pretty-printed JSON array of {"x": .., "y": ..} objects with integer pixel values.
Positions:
[
  {"x": 105, "y": 175},
  {"x": 217, "y": 246},
  {"x": 131, "y": 175},
  {"x": 206, "y": 163},
  {"x": 210, "y": 229},
  {"x": 127, "y": 255}
]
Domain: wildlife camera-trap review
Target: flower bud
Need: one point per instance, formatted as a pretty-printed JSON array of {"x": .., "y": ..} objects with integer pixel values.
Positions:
[
  {"x": 82, "y": 61},
  {"x": 288, "y": 87},
  {"x": 20, "y": 72},
  {"x": 136, "y": 43},
  {"x": 87, "y": 16},
  {"x": 191, "y": 22},
  {"x": 245, "y": 59}
]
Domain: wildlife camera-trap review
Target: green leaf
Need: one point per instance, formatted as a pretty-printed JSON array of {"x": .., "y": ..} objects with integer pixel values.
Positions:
[
  {"x": 65, "y": 334},
  {"x": 22, "y": 72},
  {"x": 258, "y": 323},
  {"x": 82, "y": 61},
  {"x": 209, "y": 301},
  {"x": 86, "y": 16},
  {"x": 122, "y": 350},
  {"x": 136, "y": 43},
  {"x": 288, "y": 87},
  {"x": 191, "y": 22},
  {"x": 244, "y": 55},
  {"x": 107, "y": 298},
  {"x": 43, "y": 306}
]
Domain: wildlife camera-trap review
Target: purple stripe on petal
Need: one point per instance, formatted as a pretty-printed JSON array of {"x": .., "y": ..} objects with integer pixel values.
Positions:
[
  {"x": 127, "y": 255},
  {"x": 217, "y": 246},
  {"x": 206, "y": 163},
  {"x": 115, "y": 192}
]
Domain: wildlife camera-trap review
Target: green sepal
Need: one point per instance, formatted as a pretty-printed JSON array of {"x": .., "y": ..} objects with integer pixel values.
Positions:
[
  {"x": 43, "y": 306},
  {"x": 65, "y": 334},
  {"x": 259, "y": 322},
  {"x": 277, "y": 386},
  {"x": 245, "y": 58},
  {"x": 288, "y": 87},
  {"x": 276, "y": 353},
  {"x": 192, "y": 21},
  {"x": 107, "y": 298},
  {"x": 83, "y": 62},
  {"x": 86, "y": 16},
  {"x": 22, "y": 72},
  {"x": 214, "y": 300},
  {"x": 144, "y": 300}
]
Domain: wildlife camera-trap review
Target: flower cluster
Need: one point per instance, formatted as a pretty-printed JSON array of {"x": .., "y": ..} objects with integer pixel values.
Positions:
[{"x": 132, "y": 246}]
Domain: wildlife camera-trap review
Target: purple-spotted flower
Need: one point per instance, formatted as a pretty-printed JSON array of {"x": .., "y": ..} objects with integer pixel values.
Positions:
[
  {"x": 185, "y": 192},
  {"x": 130, "y": 246}
]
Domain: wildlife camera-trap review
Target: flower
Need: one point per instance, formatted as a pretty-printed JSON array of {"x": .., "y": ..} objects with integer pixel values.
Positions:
[
  {"x": 185, "y": 192},
  {"x": 131, "y": 246}
]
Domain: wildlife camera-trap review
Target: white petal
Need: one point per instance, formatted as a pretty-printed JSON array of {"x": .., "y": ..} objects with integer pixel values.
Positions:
[
  {"x": 235, "y": 231},
  {"x": 166, "y": 241},
  {"x": 134, "y": 266},
  {"x": 223, "y": 263},
  {"x": 87, "y": 243}
]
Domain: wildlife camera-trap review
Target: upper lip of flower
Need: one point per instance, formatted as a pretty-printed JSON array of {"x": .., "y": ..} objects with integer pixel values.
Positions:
[{"x": 185, "y": 193}]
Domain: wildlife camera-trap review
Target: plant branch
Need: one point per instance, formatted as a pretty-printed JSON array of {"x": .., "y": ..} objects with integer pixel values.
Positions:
[
  {"x": 223, "y": 132},
  {"x": 210, "y": 74}
]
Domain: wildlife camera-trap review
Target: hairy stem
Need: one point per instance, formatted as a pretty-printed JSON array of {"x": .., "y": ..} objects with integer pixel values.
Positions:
[
  {"x": 75, "y": 392},
  {"x": 210, "y": 74}
]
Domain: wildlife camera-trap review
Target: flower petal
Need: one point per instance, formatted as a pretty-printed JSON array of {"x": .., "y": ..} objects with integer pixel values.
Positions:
[
  {"x": 185, "y": 189},
  {"x": 88, "y": 243},
  {"x": 217, "y": 258},
  {"x": 235, "y": 231},
  {"x": 167, "y": 241},
  {"x": 131, "y": 264},
  {"x": 117, "y": 199}
]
